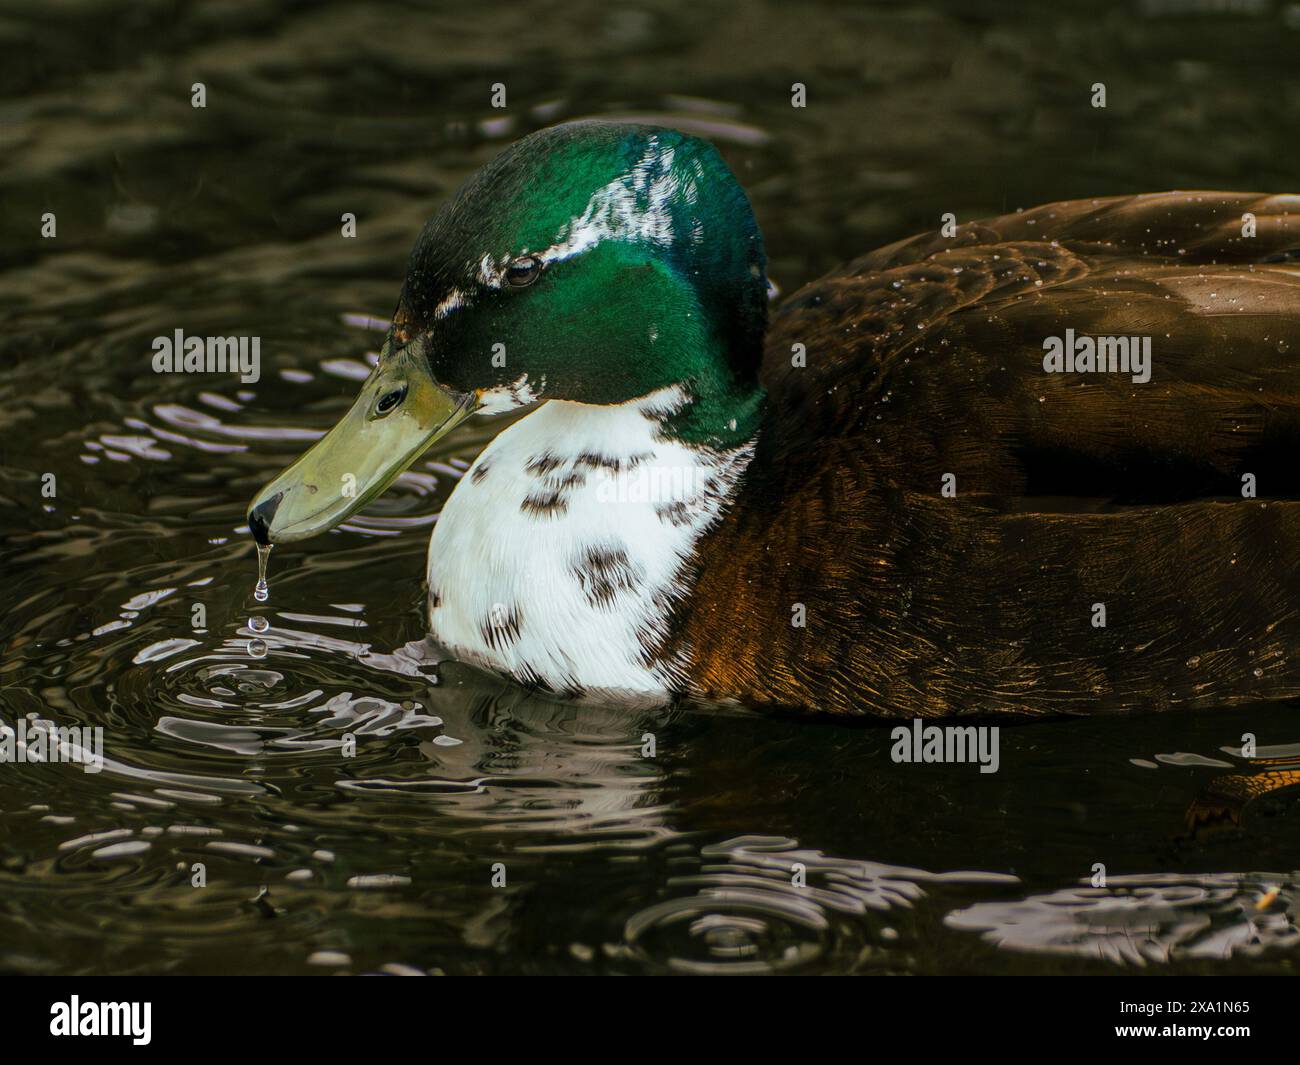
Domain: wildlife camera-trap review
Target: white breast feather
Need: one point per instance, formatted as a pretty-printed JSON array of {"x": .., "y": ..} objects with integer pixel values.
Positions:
[{"x": 562, "y": 548}]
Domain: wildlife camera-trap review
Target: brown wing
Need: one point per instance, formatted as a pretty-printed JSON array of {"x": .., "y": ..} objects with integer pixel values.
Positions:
[
  {"x": 1190, "y": 227},
  {"x": 935, "y": 348},
  {"x": 925, "y": 359}
]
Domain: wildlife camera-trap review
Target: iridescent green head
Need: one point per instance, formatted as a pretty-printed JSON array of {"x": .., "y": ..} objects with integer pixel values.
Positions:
[
  {"x": 595, "y": 262},
  {"x": 602, "y": 261}
]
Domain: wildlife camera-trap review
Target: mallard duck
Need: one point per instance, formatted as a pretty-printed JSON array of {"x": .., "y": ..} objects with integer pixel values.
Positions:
[{"x": 894, "y": 499}]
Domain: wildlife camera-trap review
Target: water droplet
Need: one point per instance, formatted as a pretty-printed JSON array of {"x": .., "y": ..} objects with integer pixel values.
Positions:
[
  {"x": 257, "y": 648},
  {"x": 1194, "y": 661},
  {"x": 262, "y": 590},
  {"x": 258, "y": 623}
]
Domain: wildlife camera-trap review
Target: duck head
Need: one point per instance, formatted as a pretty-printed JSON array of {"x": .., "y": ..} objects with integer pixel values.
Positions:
[{"x": 593, "y": 262}]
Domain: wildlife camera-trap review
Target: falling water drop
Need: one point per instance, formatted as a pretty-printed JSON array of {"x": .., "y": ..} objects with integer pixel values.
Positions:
[{"x": 262, "y": 590}]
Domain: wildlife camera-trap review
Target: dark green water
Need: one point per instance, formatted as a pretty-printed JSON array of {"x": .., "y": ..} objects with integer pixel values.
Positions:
[{"x": 225, "y": 220}]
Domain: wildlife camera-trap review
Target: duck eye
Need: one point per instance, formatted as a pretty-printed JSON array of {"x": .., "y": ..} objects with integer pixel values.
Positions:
[
  {"x": 389, "y": 400},
  {"x": 523, "y": 271}
]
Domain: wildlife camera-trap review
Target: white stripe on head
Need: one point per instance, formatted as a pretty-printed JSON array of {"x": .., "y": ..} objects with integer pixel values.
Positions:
[{"x": 504, "y": 398}]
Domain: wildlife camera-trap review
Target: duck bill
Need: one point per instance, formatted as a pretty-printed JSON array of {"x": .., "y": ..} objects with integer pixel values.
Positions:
[{"x": 401, "y": 411}]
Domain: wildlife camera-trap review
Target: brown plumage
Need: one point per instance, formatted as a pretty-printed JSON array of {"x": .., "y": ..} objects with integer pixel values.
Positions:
[{"x": 925, "y": 358}]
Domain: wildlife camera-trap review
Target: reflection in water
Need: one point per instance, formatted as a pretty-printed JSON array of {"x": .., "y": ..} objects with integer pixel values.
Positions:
[
  {"x": 761, "y": 904},
  {"x": 1222, "y": 804},
  {"x": 1143, "y": 920}
]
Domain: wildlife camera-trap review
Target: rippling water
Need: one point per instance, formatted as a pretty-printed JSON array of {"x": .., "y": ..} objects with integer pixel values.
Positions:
[{"x": 474, "y": 828}]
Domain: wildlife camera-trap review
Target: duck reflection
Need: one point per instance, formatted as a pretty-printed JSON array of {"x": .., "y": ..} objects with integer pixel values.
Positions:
[{"x": 1221, "y": 805}]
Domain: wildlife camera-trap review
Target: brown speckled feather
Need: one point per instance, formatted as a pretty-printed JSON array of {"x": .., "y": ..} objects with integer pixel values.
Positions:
[{"x": 926, "y": 358}]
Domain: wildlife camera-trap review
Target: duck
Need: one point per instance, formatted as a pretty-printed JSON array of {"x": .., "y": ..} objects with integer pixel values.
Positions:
[{"x": 1039, "y": 464}]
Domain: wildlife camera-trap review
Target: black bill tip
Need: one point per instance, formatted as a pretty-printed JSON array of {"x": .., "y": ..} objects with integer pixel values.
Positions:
[{"x": 260, "y": 517}]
